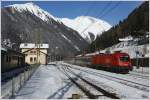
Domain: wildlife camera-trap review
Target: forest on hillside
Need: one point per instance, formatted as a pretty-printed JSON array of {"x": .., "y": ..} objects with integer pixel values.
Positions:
[{"x": 136, "y": 24}]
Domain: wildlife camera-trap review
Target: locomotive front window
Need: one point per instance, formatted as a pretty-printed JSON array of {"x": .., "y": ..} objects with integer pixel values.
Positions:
[{"x": 124, "y": 58}]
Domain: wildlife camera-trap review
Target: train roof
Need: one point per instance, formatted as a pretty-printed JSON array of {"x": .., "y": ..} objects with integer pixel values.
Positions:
[
  {"x": 115, "y": 53},
  {"x": 9, "y": 50},
  {"x": 3, "y": 49}
]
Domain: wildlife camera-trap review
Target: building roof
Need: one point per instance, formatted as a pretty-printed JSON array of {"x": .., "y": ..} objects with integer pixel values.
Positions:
[
  {"x": 32, "y": 45},
  {"x": 4, "y": 49}
]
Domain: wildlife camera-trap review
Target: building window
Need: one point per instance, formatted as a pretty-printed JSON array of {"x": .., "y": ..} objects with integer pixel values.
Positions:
[
  {"x": 31, "y": 59},
  {"x": 34, "y": 52},
  {"x": 34, "y": 59}
]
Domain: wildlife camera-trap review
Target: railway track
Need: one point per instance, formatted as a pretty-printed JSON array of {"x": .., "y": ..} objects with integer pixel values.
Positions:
[
  {"x": 89, "y": 89},
  {"x": 137, "y": 72},
  {"x": 138, "y": 75},
  {"x": 116, "y": 79}
]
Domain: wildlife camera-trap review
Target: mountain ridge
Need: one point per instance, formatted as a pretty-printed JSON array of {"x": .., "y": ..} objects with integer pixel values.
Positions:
[
  {"x": 80, "y": 24},
  {"x": 21, "y": 26},
  {"x": 86, "y": 25}
]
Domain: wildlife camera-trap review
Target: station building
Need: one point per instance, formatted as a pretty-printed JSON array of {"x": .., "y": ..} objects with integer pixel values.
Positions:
[{"x": 35, "y": 53}]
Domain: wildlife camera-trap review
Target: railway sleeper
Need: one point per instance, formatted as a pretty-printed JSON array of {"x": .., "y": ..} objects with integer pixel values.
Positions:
[
  {"x": 106, "y": 93},
  {"x": 87, "y": 92}
]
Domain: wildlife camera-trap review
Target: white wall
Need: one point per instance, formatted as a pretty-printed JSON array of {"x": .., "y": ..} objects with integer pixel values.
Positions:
[{"x": 41, "y": 58}]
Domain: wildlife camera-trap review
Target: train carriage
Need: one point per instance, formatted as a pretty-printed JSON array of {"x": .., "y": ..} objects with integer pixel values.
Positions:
[{"x": 11, "y": 59}]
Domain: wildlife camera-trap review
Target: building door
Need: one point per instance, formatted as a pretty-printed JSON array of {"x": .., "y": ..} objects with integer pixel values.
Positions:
[{"x": 31, "y": 60}]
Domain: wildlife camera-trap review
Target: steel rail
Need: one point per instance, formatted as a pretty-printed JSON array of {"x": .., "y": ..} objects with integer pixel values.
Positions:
[
  {"x": 112, "y": 78},
  {"x": 87, "y": 92},
  {"x": 106, "y": 93}
]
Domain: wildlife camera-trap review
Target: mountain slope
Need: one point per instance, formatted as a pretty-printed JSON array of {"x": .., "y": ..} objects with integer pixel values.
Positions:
[
  {"x": 29, "y": 23},
  {"x": 136, "y": 25},
  {"x": 34, "y": 9},
  {"x": 88, "y": 27}
]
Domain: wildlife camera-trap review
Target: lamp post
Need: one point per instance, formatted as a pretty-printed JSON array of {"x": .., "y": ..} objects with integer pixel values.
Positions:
[{"x": 137, "y": 60}]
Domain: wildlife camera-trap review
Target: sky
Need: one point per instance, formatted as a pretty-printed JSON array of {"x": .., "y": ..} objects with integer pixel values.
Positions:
[{"x": 110, "y": 11}]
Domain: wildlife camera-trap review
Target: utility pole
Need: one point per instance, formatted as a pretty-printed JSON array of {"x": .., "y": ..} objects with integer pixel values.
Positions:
[
  {"x": 38, "y": 43},
  {"x": 39, "y": 35}
]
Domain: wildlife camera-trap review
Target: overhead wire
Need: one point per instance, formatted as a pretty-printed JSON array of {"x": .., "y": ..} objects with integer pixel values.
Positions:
[
  {"x": 88, "y": 10},
  {"x": 111, "y": 9},
  {"x": 103, "y": 10},
  {"x": 102, "y": 16}
]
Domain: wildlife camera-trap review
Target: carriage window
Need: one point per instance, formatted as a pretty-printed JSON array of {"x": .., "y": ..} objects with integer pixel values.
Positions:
[
  {"x": 31, "y": 59},
  {"x": 7, "y": 58},
  {"x": 124, "y": 58}
]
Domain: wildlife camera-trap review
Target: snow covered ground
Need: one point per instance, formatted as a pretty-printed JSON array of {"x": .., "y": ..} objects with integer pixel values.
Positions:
[
  {"x": 125, "y": 90},
  {"x": 141, "y": 70},
  {"x": 128, "y": 45},
  {"x": 48, "y": 82}
]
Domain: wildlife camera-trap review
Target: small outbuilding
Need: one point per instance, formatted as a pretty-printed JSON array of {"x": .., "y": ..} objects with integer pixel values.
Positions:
[{"x": 35, "y": 53}]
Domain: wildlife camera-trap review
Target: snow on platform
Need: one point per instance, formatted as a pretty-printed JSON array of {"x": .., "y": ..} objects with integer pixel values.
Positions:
[{"x": 48, "y": 82}]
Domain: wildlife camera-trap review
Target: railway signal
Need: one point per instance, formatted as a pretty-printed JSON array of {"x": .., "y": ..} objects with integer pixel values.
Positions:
[{"x": 137, "y": 62}]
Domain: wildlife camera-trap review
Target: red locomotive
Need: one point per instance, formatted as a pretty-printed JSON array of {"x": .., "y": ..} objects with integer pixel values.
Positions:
[{"x": 116, "y": 61}]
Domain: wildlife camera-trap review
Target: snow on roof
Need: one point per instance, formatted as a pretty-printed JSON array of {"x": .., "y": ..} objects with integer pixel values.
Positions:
[
  {"x": 128, "y": 38},
  {"x": 32, "y": 45},
  {"x": 4, "y": 49}
]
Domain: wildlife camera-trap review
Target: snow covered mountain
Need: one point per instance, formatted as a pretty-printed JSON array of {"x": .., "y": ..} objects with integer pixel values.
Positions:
[
  {"x": 22, "y": 22},
  {"x": 88, "y": 27},
  {"x": 34, "y": 9}
]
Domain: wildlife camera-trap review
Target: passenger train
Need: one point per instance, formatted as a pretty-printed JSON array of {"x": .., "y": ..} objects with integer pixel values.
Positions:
[
  {"x": 11, "y": 59},
  {"x": 117, "y": 61}
]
